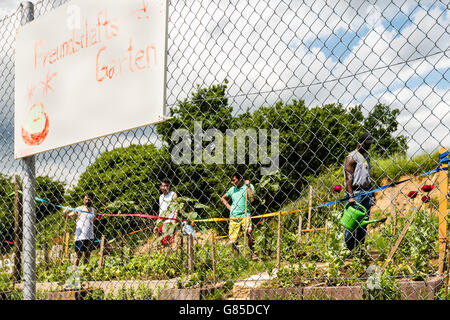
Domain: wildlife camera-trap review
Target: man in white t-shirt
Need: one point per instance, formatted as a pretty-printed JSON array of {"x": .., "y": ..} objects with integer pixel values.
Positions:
[
  {"x": 84, "y": 233},
  {"x": 165, "y": 199}
]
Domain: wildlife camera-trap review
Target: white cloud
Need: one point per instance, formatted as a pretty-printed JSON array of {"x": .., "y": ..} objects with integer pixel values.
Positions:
[{"x": 7, "y": 7}]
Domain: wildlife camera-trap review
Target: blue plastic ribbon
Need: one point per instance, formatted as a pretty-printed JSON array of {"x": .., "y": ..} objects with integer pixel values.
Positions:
[
  {"x": 443, "y": 158},
  {"x": 57, "y": 205},
  {"x": 188, "y": 229},
  {"x": 383, "y": 187}
]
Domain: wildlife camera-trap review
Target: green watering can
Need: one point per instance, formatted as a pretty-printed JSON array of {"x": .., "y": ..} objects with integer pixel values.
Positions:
[{"x": 355, "y": 216}]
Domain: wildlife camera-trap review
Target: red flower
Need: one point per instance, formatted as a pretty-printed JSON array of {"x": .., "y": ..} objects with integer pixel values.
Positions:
[
  {"x": 413, "y": 194},
  {"x": 337, "y": 188},
  {"x": 425, "y": 199},
  {"x": 427, "y": 188}
]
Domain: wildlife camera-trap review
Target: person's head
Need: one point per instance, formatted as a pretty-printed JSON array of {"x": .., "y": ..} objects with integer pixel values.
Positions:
[
  {"x": 88, "y": 199},
  {"x": 236, "y": 179},
  {"x": 365, "y": 141},
  {"x": 165, "y": 186}
]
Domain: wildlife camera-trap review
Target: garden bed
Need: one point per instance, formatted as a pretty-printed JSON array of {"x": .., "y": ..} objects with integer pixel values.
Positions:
[
  {"x": 190, "y": 294},
  {"x": 408, "y": 290},
  {"x": 68, "y": 294}
]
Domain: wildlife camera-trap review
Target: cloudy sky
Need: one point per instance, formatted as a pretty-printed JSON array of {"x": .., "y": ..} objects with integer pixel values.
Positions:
[
  {"x": 7, "y": 7},
  {"x": 352, "y": 52}
]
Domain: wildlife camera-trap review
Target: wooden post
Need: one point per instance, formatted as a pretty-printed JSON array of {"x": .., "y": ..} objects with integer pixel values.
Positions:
[
  {"x": 300, "y": 222},
  {"x": 443, "y": 205},
  {"x": 18, "y": 212},
  {"x": 66, "y": 244},
  {"x": 190, "y": 252},
  {"x": 46, "y": 260},
  {"x": 245, "y": 227},
  {"x": 45, "y": 245},
  {"x": 279, "y": 241},
  {"x": 393, "y": 216},
  {"x": 213, "y": 248},
  {"x": 397, "y": 243},
  {"x": 102, "y": 247},
  {"x": 446, "y": 279},
  {"x": 181, "y": 244},
  {"x": 430, "y": 204},
  {"x": 400, "y": 212},
  {"x": 63, "y": 238},
  {"x": 309, "y": 211}
]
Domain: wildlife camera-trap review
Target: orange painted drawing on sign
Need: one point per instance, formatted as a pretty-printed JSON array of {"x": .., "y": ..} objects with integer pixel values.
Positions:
[
  {"x": 91, "y": 34},
  {"x": 46, "y": 83},
  {"x": 131, "y": 61},
  {"x": 36, "y": 126},
  {"x": 30, "y": 92},
  {"x": 143, "y": 10}
]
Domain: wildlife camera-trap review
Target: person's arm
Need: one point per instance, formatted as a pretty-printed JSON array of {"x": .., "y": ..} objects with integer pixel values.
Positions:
[
  {"x": 69, "y": 214},
  {"x": 176, "y": 211},
  {"x": 250, "y": 191},
  {"x": 250, "y": 197},
  {"x": 225, "y": 201},
  {"x": 349, "y": 167},
  {"x": 95, "y": 215},
  {"x": 155, "y": 228}
]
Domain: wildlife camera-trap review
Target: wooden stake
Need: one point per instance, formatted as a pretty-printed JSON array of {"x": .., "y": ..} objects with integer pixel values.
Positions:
[
  {"x": 181, "y": 246},
  {"x": 66, "y": 244},
  {"x": 18, "y": 214},
  {"x": 313, "y": 229},
  {"x": 245, "y": 227},
  {"x": 300, "y": 221},
  {"x": 46, "y": 260},
  {"x": 430, "y": 204},
  {"x": 102, "y": 247},
  {"x": 399, "y": 240},
  {"x": 443, "y": 205},
  {"x": 400, "y": 212},
  {"x": 309, "y": 210},
  {"x": 446, "y": 279},
  {"x": 393, "y": 216},
  {"x": 63, "y": 238},
  {"x": 190, "y": 252},
  {"x": 279, "y": 241},
  {"x": 213, "y": 248}
]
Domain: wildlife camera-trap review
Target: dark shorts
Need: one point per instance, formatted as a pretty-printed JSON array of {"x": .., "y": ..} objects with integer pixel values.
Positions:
[{"x": 83, "y": 245}]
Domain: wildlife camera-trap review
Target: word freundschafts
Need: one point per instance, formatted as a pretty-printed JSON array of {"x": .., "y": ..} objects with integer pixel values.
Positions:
[
  {"x": 231, "y": 141},
  {"x": 97, "y": 34}
]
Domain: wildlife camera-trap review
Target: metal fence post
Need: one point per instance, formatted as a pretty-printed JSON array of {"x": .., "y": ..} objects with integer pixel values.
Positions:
[
  {"x": 29, "y": 205},
  {"x": 18, "y": 223}
]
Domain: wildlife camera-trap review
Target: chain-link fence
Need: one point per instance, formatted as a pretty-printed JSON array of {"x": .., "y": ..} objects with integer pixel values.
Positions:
[{"x": 266, "y": 100}]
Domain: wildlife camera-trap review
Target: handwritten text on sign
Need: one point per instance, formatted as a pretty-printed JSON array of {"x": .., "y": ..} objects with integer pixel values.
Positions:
[{"x": 89, "y": 69}]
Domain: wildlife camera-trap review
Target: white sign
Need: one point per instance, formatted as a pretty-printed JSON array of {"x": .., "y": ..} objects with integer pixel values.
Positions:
[{"x": 89, "y": 69}]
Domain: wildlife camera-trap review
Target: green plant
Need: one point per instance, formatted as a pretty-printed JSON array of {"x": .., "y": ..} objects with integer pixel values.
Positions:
[
  {"x": 287, "y": 275},
  {"x": 441, "y": 294},
  {"x": 385, "y": 289}
]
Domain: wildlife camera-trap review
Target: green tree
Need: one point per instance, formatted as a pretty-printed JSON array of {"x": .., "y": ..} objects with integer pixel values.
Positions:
[
  {"x": 51, "y": 190},
  {"x": 201, "y": 181},
  {"x": 209, "y": 105},
  {"x": 382, "y": 123},
  {"x": 46, "y": 188},
  {"x": 6, "y": 210}
]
